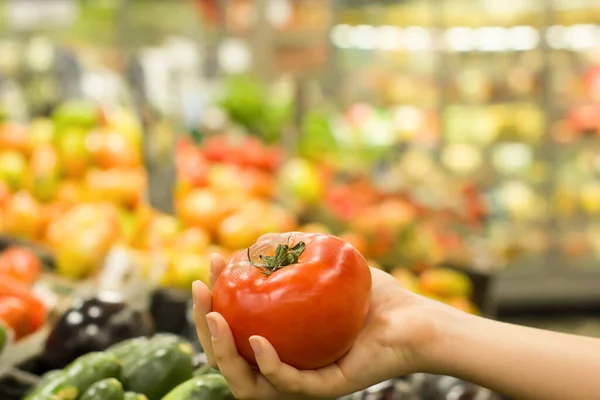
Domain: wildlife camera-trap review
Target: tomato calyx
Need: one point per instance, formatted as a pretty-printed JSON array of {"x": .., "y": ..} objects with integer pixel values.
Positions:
[{"x": 284, "y": 255}]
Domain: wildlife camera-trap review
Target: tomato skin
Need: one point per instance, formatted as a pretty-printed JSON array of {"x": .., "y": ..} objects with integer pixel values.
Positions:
[
  {"x": 13, "y": 312},
  {"x": 311, "y": 311},
  {"x": 20, "y": 263}
]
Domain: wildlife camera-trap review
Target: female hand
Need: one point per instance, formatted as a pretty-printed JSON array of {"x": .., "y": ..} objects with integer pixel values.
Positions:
[{"x": 399, "y": 327}]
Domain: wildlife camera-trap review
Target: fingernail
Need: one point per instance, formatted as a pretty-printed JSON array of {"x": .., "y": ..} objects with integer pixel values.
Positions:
[
  {"x": 212, "y": 327},
  {"x": 256, "y": 346}
]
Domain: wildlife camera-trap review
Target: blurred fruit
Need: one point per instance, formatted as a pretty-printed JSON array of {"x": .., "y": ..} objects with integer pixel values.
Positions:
[
  {"x": 406, "y": 278},
  {"x": 100, "y": 219},
  {"x": 375, "y": 264},
  {"x": 113, "y": 150},
  {"x": 162, "y": 231},
  {"x": 300, "y": 179},
  {"x": 276, "y": 218},
  {"x": 356, "y": 239},
  {"x": 239, "y": 231},
  {"x": 445, "y": 283},
  {"x": 72, "y": 152},
  {"x": 192, "y": 168},
  {"x": 41, "y": 132},
  {"x": 76, "y": 113},
  {"x": 190, "y": 267},
  {"x": 204, "y": 209},
  {"x": 83, "y": 252},
  {"x": 13, "y": 167},
  {"x": 69, "y": 191},
  {"x": 117, "y": 185},
  {"x": 23, "y": 216},
  {"x": 463, "y": 304},
  {"x": 4, "y": 195},
  {"x": 43, "y": 179},
  {"x": 226, "y": 179},
  {"x": 13, "y": 312},
  {"x": 192, "y": 240},
  {"x": 258, "y": 183},
  {"x": 125, "y": 122},
  {"x": 315, "y": 227},
  {"x": 20, "y": 263},
  {"x": 14, "y": 137}
]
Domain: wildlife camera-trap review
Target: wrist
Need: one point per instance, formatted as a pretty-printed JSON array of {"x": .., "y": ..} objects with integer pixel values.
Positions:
[{"x": 449, "y": 330}]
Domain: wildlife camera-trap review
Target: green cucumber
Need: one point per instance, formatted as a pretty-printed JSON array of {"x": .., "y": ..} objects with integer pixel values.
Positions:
[
  {"x": 204, "y": 387},
  {"x": 44, "y": 380},
  {"x": 160, "y": 370},
  {"x": 135, "y": 396},
  {"x": 128, "y": 350},
  {"x": 132, "y": 351},
  {"x": 78, "y": 376},
  {"x": 105, "y": 389},
  {"x": 48, "y": 397},
  {"x": 165, "y": 339},
  {"x": 61, "y": 387},
  {"x": 92, "y": 367}
]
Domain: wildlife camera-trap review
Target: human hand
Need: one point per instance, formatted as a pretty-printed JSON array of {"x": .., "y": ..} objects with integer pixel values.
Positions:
[{"x": 399, "y": 327}]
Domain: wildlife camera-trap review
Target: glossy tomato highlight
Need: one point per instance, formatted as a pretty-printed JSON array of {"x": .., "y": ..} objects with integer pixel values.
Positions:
[{"x": 307, "y": 293}]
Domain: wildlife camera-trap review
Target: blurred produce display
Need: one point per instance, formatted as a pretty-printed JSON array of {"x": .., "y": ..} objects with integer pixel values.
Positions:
[
  {"x": 21, "y": 311},
  {"x": 506, "y": 95}
]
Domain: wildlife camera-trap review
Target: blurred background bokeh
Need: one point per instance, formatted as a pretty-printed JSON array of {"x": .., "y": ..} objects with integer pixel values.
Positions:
[{"x": 455, "y": 143}]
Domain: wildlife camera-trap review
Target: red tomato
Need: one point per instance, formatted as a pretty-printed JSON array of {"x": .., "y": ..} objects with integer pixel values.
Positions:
[
  {"x": 13, "y": 312},
  {"x": 192, "y": 167},
  {"x": 36, "y": 311},
  {"x": 20, "y": 263},
  {"x": 309, "y": 300}
]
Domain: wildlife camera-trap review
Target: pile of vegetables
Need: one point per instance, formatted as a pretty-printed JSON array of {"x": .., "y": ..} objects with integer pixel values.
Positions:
[
  {"x": 142, "y": 368},
  {"x": 20, "y": 310}
]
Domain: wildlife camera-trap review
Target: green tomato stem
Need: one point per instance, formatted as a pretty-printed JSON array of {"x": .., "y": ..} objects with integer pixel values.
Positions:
[{"x": 284, "y": 256}]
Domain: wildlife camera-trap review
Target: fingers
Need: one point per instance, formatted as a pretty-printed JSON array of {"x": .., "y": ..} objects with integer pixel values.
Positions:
[
  {"x": 238, "y": 373},
  {"x": 202, "y": 306},
  {"x": 217, "y": 264},
  {"x": 325, "y": 382}
]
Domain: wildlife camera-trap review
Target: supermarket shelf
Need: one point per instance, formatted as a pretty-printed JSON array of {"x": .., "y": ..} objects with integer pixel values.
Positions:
[{"x": 538, "y": 287}]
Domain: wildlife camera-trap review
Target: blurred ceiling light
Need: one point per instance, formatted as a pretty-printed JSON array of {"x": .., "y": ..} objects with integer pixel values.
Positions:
[
  {"x": 234, "y": 56},
  {"x": 340, "y": 36},
  {"x": 183, "y": 52},
  {"x": 389, "y": 38},
  {"x": 363, "y": 37},
  {"x": 583, "y": 36},
  {"x": 556, "y": 37},
  {"x": 100, "y": 85},
  {"x": 491, "y": 38},
  {"x": 417, "y": 38},
  {"x": 523, "y": 38},
  {"x": 459, "y": 39},
  {"x": 279, "y": 13}
]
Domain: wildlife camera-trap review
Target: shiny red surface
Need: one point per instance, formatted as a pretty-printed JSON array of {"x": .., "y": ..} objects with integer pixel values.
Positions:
[{"x": 311, "y": 311}]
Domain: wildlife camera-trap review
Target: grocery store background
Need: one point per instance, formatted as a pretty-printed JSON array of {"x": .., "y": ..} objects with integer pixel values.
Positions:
[{"x": 454, "y": 142}]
